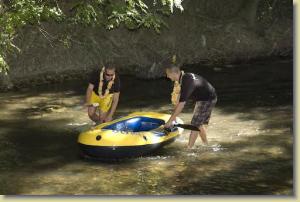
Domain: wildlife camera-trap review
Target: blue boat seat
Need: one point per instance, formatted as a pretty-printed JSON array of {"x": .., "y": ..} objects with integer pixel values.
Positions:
[{"x": 136, "y": 124}]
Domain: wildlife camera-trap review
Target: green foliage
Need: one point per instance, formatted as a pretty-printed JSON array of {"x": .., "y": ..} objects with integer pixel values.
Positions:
[
  {"x": 3, "y": 65},
  {"x": 133, "y": 14},
  {"x": 87, "y": 13},
  {"x": 16, "y": 15}
]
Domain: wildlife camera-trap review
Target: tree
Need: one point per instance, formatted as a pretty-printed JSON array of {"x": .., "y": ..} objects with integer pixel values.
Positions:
[{"x": 134, "y": 14}]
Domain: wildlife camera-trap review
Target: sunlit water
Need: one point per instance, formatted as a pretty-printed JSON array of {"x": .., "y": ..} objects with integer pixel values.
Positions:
[{"x": 250, "y": 139}]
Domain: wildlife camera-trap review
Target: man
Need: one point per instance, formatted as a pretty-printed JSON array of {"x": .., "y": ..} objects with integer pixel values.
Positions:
[
  {"x": 191, "y": 86},
  {"x": 103, "y": 93}
]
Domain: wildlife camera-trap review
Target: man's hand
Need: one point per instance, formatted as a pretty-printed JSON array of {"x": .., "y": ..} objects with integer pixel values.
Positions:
[
  {"x": 177, "y": 111},
  {"x": 168, "y": 124}
]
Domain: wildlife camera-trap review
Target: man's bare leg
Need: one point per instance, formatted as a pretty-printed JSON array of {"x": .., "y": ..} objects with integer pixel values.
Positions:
[
  {"x": 202, "y": 134},
  {"x": 192, "y": 139}
]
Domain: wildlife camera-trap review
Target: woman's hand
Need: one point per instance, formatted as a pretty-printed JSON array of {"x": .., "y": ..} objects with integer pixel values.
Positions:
[{"x": 108, "y": 118}]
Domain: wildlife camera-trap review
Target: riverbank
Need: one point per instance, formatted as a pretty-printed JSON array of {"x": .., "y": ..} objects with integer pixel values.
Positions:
[
  {"x": 52, "y": 78},
  {"x": 206, "y": 32}
]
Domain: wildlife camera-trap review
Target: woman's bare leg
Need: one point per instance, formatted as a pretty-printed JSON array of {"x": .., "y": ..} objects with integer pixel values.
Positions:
[{"x": 92, "y": 114}]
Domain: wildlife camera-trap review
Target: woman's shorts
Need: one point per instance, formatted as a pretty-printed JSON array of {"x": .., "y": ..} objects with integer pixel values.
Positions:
[{"x": 104, "y": 103}]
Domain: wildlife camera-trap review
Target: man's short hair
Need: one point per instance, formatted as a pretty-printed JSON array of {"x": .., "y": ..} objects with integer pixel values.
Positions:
[{"x": 172, "y": 63}]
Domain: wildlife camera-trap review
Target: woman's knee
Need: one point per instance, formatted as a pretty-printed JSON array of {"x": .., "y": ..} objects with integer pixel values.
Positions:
[{"x": 91, "y": 112}]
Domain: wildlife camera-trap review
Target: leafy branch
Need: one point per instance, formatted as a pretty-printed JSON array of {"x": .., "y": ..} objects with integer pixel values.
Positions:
[{"x": 134, "y": 14}]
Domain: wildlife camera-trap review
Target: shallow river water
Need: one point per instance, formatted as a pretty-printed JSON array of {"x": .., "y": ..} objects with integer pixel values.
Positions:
[{"x": 250, "y": 139}]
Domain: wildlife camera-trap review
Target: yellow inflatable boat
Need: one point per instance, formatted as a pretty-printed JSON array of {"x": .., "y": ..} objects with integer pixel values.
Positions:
[{"x": 135, "y": 135}]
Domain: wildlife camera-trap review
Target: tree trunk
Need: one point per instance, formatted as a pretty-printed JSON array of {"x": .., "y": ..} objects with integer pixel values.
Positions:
[
  {"x": 1, "y": 7},
  {"x": 5, "y": 82}
]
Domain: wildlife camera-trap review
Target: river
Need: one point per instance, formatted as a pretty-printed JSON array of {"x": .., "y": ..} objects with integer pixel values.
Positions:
[{"x": 250, "y": 138}]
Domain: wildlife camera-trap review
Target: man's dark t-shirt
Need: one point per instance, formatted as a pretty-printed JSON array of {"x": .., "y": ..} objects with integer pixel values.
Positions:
[
  {"x": 95, "y": 77},
  {"x": 196, "y": 87}
]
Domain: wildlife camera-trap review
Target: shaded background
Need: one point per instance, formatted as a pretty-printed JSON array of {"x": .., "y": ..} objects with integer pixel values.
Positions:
[{"x": 206, "y": 32}]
